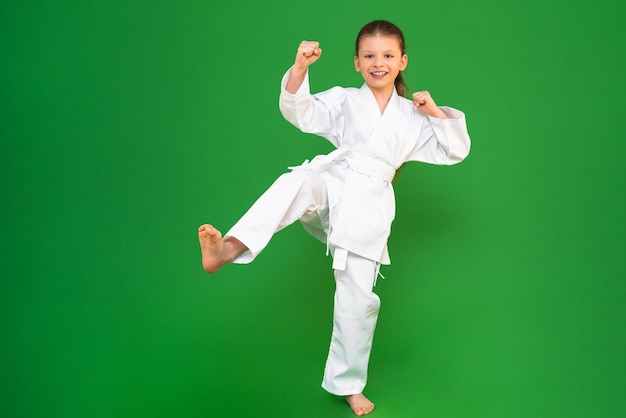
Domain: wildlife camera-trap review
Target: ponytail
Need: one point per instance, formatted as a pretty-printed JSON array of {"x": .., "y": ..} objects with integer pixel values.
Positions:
[{"x": 401, "y": 86}]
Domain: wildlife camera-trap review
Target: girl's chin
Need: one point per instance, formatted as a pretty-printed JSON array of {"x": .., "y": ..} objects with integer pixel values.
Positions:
[{"x": 379, "y": 84}]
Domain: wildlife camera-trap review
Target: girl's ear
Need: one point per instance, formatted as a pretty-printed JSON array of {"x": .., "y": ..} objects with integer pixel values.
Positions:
[
  {"x": 404, "y": 62},
  {"x": 357, "y": 67}
]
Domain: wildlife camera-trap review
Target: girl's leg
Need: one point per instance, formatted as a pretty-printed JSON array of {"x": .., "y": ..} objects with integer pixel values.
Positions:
[
  {"x": 291, "y": 196},
  {"x": 355, "y": 314}
]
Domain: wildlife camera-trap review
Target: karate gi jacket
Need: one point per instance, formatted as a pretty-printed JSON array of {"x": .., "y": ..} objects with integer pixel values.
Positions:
[{"x": 370, "y": 147}]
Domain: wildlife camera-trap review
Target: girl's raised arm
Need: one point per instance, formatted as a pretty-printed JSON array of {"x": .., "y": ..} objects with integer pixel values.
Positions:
[{"x": 308, "y": 53}]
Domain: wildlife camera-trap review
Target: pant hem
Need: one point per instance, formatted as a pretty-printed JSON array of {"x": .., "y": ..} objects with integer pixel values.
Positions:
[{"x": 344, "y": 392}]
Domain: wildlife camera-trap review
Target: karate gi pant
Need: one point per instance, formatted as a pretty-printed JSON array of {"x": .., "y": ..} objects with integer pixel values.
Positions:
[{"x": 294, "y": 195}]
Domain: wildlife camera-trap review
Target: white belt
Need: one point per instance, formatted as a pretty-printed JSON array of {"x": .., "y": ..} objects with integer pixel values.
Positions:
[
  {"x": 371, "y": 167},
  {"x": 358, "y": 162}
]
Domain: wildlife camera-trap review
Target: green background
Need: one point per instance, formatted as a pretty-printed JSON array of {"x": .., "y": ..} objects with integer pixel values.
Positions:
[{"x": 126, "y": 124}]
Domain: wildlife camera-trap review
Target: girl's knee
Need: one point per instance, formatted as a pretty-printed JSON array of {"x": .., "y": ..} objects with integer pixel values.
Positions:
[{"x": 307, "y": 181}]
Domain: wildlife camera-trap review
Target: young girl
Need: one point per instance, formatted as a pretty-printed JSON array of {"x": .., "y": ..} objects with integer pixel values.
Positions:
[{"x": 345, "y": 198}]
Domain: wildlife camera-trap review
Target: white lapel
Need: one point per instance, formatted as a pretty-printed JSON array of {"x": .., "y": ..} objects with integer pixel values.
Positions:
[{"x": 384, "y": 124}]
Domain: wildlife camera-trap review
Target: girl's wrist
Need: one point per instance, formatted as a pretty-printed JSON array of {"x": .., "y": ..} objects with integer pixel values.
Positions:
[
  {"x": 439, "y": 114},
  {"x": 298, "y": 70}
]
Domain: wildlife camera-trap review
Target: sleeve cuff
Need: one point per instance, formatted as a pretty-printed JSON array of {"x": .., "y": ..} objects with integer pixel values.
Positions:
[{"x": 304, "y": 87}]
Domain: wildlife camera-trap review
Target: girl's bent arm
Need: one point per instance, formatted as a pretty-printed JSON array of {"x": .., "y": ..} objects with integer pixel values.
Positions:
[
  {"x": 443, "y": 141},
  {"x": 319, "y": 114}
]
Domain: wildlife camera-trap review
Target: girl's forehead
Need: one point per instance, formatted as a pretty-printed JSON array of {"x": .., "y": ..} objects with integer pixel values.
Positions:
[{"x": 377, "y": 41}]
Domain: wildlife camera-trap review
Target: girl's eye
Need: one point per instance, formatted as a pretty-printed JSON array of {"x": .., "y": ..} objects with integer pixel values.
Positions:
[
  {"x": 369, "y": 56},
  {"x": 388, "y": 56}
]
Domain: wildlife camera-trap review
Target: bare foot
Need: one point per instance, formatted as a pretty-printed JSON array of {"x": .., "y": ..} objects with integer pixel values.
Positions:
[
  {"x": 360, "y": 404},
  {"x": 215, "y": 251}
]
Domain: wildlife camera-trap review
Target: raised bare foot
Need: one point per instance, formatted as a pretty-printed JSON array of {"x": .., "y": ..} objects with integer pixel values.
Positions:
[
  {"x": 214, "y": 256},
  {"x": 360, "y": 404}
]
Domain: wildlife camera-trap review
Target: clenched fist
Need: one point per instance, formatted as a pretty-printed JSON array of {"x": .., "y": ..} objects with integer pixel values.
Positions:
[
  {"x": 425, "y": 103},
  {"x": 308, "y": 53}
]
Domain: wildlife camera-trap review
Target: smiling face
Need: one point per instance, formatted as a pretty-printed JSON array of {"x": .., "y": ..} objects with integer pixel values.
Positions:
[{"x": 379, "y": 60}]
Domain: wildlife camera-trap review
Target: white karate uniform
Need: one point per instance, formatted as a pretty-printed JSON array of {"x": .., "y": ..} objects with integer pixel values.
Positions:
[{"x": 346, "y": 199}]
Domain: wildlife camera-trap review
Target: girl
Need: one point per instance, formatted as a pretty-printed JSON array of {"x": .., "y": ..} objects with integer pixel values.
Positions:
[{"x": 345, "y": 198}]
